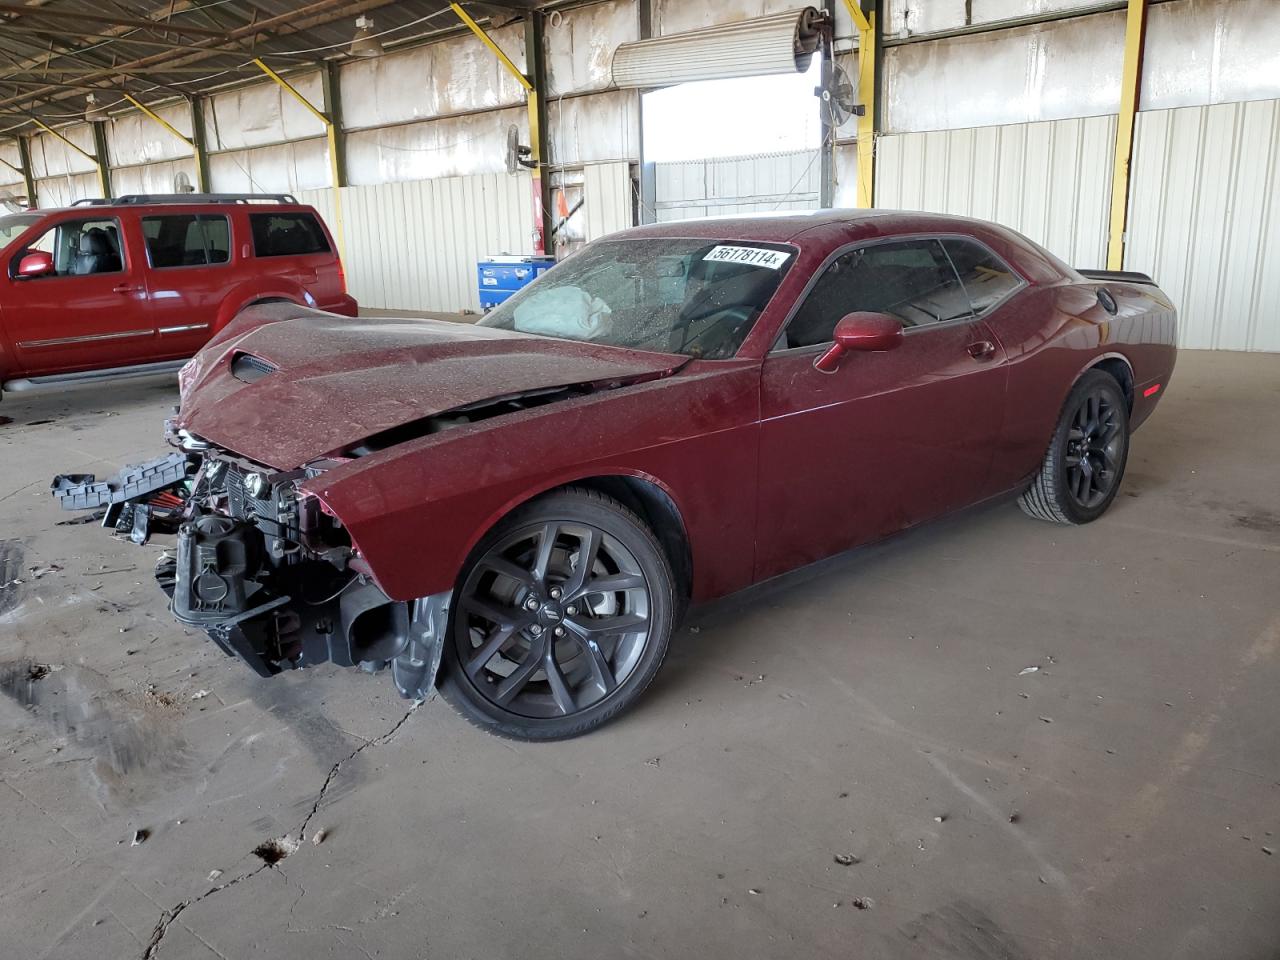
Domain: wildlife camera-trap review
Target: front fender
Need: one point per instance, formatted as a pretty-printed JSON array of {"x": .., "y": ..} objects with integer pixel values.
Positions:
[{"x": 414, "y": 512}]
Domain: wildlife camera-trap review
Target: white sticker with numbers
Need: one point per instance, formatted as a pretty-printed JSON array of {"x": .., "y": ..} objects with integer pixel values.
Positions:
[{"x": 755, "y": 256}]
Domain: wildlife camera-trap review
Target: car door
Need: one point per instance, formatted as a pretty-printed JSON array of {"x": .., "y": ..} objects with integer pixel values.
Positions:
[
  {"x": 889, "y": 439},
  {"x": 89, "y": 311},
  {"x": 190, "y": 269}
]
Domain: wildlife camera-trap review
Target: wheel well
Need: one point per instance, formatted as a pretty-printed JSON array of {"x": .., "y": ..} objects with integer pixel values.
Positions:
[
  {"x": 1120, "y": 369},
  {"x": 660, "y": 513}
]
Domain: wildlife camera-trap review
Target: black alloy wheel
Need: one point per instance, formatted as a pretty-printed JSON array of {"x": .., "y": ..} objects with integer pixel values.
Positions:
[
  {"x": 560, "y": 620},
  {"x": 1085, "y": 463},
  {"x": 1094, "y": 447}
]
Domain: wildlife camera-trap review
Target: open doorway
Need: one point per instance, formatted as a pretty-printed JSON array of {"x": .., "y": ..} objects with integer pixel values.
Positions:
[{"x": 742, "y": 145}]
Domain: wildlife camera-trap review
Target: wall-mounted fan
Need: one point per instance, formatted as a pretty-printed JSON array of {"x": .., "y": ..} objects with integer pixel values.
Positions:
[
  {"x": 182, "y": 183},
  {"x": 842, "y": 97},
  {"x": 517, "y": 153}
]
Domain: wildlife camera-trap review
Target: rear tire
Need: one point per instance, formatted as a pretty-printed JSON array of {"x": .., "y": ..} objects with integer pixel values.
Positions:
[
  {"x": 560, "y": 619},
  {"x": 1085, "y": 462}
]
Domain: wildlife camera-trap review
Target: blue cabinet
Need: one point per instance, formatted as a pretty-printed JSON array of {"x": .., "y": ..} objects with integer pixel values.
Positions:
[{"x": 500, "y": 277}]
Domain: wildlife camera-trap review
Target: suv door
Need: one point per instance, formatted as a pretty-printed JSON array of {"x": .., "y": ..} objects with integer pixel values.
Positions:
[
  {"x": 190, "y": 258},
  {"x": 890, "y": 439},
  {"x": 89, "y": 311}
]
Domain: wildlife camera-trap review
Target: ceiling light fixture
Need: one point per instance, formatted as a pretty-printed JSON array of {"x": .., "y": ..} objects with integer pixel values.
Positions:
[
  {"x": 93, "y": 112},
  {"x": 365, "y": 44}
]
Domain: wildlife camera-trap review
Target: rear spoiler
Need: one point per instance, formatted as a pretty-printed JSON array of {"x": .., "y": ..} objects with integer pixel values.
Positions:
[{"x": 1120, "y": 276}]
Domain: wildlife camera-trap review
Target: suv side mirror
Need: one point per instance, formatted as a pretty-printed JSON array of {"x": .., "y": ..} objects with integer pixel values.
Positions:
[
  {"x": 860, "y": 331},
  {"x": 37, "y": 263}
]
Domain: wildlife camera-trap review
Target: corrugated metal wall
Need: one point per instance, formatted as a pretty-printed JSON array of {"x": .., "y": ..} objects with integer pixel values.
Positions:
[
  {"x": 414, "y": 244},
  {"x": 1204, "y": 219},
  {"x": 753, "y": 184},
  {"x": 607, "y": 198},
  {"x": 1049, "y": 180}
]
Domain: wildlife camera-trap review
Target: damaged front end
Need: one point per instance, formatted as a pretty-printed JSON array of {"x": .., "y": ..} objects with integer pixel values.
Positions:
[{"x": 264, "y": 568}]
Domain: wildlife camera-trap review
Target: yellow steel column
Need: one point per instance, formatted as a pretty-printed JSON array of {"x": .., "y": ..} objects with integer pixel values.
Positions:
[
  {"x": 1135, "y": 32},
  {"x": 866, "y": 24},
  {"x": 103, "y": 182},
  {"x": 535, "y": 132},
  {"x": 331, "y": 134}
]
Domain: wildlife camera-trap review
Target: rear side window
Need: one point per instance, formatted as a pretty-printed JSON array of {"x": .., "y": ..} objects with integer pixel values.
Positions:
[
  {"x": 286, "y": 234},
  {"x": 986, "y": 278},
  {"x": 186, "y": 240}
]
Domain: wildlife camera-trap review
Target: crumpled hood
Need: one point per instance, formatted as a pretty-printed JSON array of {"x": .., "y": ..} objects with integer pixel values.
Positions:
[{"x": 339, "y": 380}]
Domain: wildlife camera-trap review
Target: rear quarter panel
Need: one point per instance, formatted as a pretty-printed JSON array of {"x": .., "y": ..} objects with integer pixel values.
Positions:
[
  {"x": 1054, "y": 335},
  {"x": 415, "y": 511}
]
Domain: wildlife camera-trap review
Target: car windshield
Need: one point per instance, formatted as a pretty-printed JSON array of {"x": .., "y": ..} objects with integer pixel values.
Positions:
[
  {"x": 13, "y": 225},
  {"x": 691, "y": 296}
]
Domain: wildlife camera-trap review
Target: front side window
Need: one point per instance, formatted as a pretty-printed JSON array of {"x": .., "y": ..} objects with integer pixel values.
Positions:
[
  {"x": 186, "y": 239},
  {"x": 695, "y": 297},
  {"x": 286, "y": 234},
  {"x": 12, "y": 226},
  {"x": 912, "y": 280},
  {"x": 78, "y": 248},
  {"x": 986, "y": 278}
]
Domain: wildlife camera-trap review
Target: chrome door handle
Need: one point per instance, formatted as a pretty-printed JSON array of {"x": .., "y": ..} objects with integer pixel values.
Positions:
[{"x": 982, "y": 350}]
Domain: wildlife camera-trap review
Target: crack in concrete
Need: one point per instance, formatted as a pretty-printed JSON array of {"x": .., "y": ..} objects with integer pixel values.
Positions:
[
  {"x": 333, "y": 771},
  {"x": 169, "y": 916},
  {"x": 172, "y": 914}
]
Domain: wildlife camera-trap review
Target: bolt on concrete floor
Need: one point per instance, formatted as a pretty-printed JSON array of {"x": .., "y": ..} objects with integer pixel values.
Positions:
[{"x": 858, "y": 760}]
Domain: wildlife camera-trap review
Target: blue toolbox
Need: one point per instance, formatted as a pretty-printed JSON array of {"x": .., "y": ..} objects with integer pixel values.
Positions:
[{"x": 500, "y": 277}]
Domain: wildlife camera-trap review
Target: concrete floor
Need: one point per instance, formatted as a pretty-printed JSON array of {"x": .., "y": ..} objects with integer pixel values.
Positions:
[{"x": 1120, "y": 801}]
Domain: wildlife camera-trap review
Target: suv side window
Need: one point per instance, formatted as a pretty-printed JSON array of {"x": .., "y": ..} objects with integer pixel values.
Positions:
[
  {"x": 912, "y": 280},
  {"x": 79, "y": 248},
  {"x": 186, "y": 239},
  {"x": 286, "y": 234},
  {"x": 986, "y": 278}
]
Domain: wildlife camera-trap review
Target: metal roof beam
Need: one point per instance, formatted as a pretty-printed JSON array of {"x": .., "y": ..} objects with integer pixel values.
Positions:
[
  {"x": 313, "y": 14},
  {"x": 80, "y": 16}
]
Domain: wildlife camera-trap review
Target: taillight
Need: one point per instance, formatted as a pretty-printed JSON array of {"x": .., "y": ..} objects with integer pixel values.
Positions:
[{"x": 342, "y": 277}]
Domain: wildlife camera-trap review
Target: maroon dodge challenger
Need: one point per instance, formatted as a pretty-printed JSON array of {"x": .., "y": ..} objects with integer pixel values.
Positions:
[{"x": 521, "y": 509}]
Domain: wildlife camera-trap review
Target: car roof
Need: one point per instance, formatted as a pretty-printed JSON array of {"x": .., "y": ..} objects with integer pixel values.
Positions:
[
  {"x": 786, "y": 226},
  {"x": 92, "y": 208}
]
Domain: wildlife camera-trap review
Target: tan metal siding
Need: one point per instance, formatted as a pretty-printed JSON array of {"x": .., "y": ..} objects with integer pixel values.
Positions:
[
  {"x": 414, "y": 244},
  {"x": 1204, "y": 219},
  {"x": 606, "y": 190},
  {"x": 1049, "y": 180}
]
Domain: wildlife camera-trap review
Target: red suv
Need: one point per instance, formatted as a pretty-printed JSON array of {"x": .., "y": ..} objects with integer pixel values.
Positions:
[{"x": 138, "y": 284}]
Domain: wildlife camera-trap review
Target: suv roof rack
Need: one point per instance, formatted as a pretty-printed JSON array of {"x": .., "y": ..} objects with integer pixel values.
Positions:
[{"x": 136, "y": 198}]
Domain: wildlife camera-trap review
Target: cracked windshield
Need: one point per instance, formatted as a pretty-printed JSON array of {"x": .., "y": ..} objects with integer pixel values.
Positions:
[{"x": 695, "y": 297}]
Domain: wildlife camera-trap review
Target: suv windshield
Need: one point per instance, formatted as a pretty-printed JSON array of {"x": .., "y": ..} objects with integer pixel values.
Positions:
[
  {"x": 13, "y": 225},
  {"x": 695, "y": 297}
]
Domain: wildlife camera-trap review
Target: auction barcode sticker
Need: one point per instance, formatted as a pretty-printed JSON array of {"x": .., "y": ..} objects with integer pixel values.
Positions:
[{"x": 755, "y": 256}]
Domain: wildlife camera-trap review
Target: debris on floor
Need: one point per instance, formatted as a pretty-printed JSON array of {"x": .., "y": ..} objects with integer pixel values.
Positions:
[
  {"x": 140, "y": 836},
  {"x": 318, "y": 837},
  {"x": 845, "y": 859},
  {"x": 863, "y": 903}
]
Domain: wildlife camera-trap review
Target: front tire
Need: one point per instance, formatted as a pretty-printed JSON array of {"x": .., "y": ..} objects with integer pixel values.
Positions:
[
  {"x": 1085, "y": 462},
  {"x": 560, "y": 619}
]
